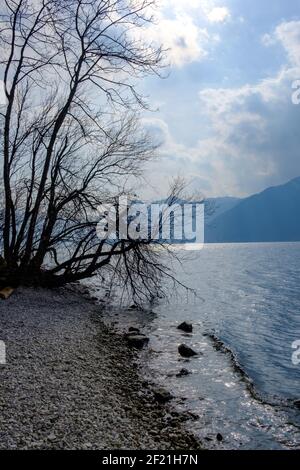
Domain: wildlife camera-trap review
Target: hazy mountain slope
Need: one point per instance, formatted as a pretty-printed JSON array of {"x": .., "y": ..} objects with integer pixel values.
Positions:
[
  {"x": 273, "y": 215},
  {"x": 218, "y": 205}
]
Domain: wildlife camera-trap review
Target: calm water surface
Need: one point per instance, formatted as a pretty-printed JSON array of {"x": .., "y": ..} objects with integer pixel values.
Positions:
[{"x": 248, "y": 298}]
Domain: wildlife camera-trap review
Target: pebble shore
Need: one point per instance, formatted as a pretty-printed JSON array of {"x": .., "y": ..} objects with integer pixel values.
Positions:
[{"x": 70, "y": 382}]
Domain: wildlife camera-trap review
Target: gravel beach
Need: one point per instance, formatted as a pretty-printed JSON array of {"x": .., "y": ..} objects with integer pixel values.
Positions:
[{"x": 72, "y": 383}]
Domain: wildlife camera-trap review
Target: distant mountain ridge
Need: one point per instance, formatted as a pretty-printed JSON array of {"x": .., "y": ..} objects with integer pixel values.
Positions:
[
  {"x": 217, "y": 205},
  {"x": 270, "y": 216}
]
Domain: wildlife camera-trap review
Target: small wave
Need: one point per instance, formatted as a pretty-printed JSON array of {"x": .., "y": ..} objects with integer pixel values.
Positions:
[{"x": 219, "y": 345}]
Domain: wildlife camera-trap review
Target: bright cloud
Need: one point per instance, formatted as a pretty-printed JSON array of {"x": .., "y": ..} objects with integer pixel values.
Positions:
[
  {"x": 244, "y": 135},
  {"x": 288, "y": 33},
  {"x": 218, "y": 15},
  {"x": 181, "y": 27},
  {"x": 253, "y": 139},
  {"x": 183, "y": 39}
]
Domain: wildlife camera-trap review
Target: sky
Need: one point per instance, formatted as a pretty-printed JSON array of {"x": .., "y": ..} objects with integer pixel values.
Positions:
[{"x": 225, "y": 115}]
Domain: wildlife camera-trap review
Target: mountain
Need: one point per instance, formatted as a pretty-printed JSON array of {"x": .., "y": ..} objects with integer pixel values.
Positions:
[
  {"x": 217, "y": 205},
  {"x": 270, "y": 216}
]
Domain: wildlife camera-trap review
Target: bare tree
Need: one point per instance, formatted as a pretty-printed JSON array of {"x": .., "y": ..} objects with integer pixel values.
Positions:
[{"x": 70, "y": 137}]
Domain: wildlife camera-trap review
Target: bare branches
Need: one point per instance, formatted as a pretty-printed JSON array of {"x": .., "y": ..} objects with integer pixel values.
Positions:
[{"x": 71, "y": 138}]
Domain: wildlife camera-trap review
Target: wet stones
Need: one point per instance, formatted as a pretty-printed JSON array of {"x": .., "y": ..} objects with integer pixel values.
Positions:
[
  {"x": 183, "y": 373},
  {"x": 186, "y": 351},
  {"x": 162, "y": 396},
  {"x": 134, "y": 330},
  {"x": 186, "y": 327},
  {"x": 137, "y": 341}
]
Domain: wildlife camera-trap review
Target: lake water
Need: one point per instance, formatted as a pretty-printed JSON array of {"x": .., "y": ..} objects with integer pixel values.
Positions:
[{"x": 249, "y": 300}]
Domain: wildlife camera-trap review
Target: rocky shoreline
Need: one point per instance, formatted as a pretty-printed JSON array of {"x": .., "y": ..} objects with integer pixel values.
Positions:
[{"x": 71, "y": 382}]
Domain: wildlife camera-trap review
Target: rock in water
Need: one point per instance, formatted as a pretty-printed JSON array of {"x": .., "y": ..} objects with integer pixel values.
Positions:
[
  {"x": 162, "y": 396},
  {"x": 134, "y": 330},
  {"x": 183, "y": 373},
  {"x": 137, "y": 341},
  {"x": 186, "y": 327},
  {"x": 219, "y": 437},
  {"x": 185, "y": 351}
]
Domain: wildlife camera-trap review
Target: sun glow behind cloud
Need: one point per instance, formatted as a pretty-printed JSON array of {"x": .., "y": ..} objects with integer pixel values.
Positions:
[{"x": 182, "y": 27}]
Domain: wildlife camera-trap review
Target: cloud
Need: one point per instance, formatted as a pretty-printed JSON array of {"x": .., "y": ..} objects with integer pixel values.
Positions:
[
  {"x": 218, "y": 15},
  {"x": 250, "y": 133},
  {"x": 181, "y": 27},
  {"x": 250, "y": 138},
  {"x": 254, "y": 141},
  {"x": 287, "y": 34},
  {"x": 184, "y": 40}
]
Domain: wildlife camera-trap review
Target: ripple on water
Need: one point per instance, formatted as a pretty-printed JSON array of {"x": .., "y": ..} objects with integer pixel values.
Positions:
[{"x": 252, "y": 305}]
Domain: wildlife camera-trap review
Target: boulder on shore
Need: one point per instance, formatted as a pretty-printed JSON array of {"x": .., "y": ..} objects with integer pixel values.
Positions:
[
  {"x": 137, "y": 341},
  {"x": 186, "y": 351},
  {"x": 186, "y": 327},
  {"x": 6, "y": 292},
  {"x": 162, "y": 396}
]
